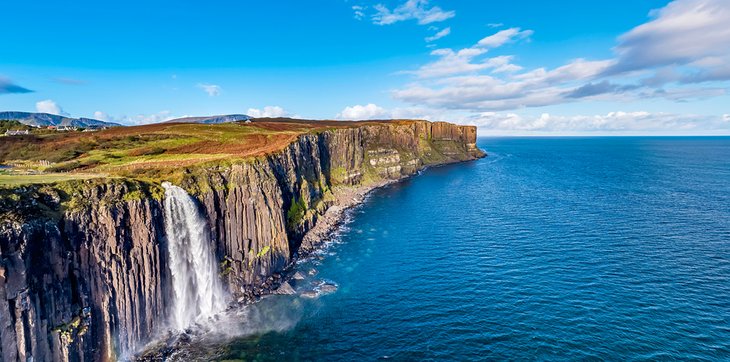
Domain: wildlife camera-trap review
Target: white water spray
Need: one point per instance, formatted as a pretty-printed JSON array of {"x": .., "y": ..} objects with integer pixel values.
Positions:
[{"x": 197, "y": 287}]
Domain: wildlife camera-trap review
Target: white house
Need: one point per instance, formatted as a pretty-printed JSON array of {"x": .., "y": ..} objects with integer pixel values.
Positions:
[{"x": 17, "y": 133}]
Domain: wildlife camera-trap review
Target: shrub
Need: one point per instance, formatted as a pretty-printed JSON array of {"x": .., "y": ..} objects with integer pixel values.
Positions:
[
  {"x": 147, "y": 151},
  {"x": 64, "y": 167},
  {"x": 296, "y": 213}
]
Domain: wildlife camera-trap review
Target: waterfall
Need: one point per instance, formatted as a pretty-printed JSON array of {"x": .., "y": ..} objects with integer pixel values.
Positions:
[{"x": 198, "y": 293}]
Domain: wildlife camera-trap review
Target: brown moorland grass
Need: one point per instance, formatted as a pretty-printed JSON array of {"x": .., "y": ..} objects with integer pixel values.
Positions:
[{"x": 161, "y": 146}]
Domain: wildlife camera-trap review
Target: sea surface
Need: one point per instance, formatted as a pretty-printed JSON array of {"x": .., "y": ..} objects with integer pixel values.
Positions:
[{"x": 549, "y": 249}]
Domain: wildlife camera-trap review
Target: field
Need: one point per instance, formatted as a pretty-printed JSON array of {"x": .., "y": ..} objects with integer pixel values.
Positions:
[
  {"x": 16, "y": 180},
  {"x": 149, "y": 151}
]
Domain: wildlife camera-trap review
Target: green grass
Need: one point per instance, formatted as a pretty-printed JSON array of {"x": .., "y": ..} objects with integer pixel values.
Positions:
[
  {"x": 18, "y": 180},
  {"x": 264, "y": 251},
  {"x": 225, "y": 132},
  {"x": 165, "y": 147},
  {"x": 338, "y": 175}
]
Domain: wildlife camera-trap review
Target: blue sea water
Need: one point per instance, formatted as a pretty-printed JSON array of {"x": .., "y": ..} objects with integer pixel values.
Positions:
[{"x": 549, "y": 249}]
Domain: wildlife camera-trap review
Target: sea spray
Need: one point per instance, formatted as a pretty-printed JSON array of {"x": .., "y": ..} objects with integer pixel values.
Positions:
[{"x": 198, "y": 293}]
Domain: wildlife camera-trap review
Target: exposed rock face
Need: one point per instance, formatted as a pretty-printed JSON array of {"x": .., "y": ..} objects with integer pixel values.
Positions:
[
  {"x": 83, "y": 270},
  {"x": 85, "y": 286}
]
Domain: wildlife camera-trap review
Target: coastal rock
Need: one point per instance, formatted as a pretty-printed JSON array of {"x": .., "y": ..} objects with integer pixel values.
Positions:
[
  {"x": 80, "y": 285},
  {"x": 285, "y": 289},
  {"x": 327, "y": 288},
  {"x": 311, "y": 294}
]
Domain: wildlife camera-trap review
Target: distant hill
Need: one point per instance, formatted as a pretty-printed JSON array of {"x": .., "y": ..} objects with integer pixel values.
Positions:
[
  {"x": 45, "y": 120},
  {"x": 212, "y": 119}
]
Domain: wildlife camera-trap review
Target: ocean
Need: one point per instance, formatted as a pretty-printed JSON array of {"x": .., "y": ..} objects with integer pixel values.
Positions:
[{"x": 549, "y": 249}]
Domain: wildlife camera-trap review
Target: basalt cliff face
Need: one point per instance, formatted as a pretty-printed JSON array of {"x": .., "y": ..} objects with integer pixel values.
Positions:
[{"x": 84, "y": 272}]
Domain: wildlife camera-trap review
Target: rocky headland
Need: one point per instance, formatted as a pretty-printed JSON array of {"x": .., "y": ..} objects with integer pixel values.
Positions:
[{"x": 85, "y": 270}]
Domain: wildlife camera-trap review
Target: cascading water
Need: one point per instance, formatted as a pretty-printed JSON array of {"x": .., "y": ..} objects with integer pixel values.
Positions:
[{"x": 197, "y": 288}]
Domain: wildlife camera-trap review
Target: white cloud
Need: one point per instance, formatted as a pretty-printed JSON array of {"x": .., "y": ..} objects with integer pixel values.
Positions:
[
  {"x": 451, "y": 62},
  {"x": 101, "y": 116},
  {"x": 686, "y": 42},
  {"x": 498, "y": 91},
  {"x": 502, "y": 64},
  {"x": 684, "y": 32},
  {"x": 495, "y": 25},
  {"x": 503, "y": 37},
  {"x": 212, "y": 89},
  {"x": 372, "y": 111},
  {"x": 49, "y": 106},
  {"x": 268, "y": 112},
  {"x": 439, "y": 35},
  {"x": 150, "y": 118},
  {"x": 683, "y": 45},
  {"x": 358, "y": 112},
  {"x": 136, "y": 120},
  {"x": 359, "y": 12},
  {"x": 411, "y": 10},
  {"x": 578, "y": 69},
  {"x": 512, "y": 123},
  {"x": 611, "y": 123}
]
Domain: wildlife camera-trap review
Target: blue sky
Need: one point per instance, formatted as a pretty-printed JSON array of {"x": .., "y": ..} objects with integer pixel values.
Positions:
[{"x": 510, "y": 67}]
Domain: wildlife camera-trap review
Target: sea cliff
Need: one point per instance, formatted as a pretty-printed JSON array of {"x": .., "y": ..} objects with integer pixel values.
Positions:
[{"x": 84, "y": 272}]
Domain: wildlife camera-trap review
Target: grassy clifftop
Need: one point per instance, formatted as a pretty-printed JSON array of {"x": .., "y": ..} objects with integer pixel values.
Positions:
[{"x": 152, "y": 152}]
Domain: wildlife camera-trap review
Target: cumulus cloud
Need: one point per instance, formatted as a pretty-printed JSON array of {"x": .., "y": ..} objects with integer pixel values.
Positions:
[
  {"x": 212, "y": 89},
  {"x": 49, "y": 106},
  {"x": 101, "y": 116},
  {"x": 8, "y": 87},
  {"x": 411, "y": 10},
  {"x": 497, "y": 91},
  {"x": 726, "y": 117},
  {"x": 138, "y": 119},
  {"x": 682, "y": 46},
  {"x": 611, "y": 123},
  {"x": 268, "y": 112},
  {"x": 373, "y": 111},
  {"x": 158, "y": 117},
  {"x": 359, "y": 112},
  {"x": 439, "y": 35}
]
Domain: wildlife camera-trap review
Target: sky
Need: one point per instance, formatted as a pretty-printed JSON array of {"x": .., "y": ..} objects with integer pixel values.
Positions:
[{"x": 518, "y": 67}]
